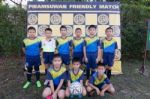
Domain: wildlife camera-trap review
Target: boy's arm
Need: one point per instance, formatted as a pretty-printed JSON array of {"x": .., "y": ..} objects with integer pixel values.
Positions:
[
  {"x": 81, "y": 82},
  {"x": 116, "y": 49},
  {"x": 51, "y": 86},
  {"x": 96, "y": 88},
  {"x": 105, "y": 88},
  {"x": 84, "y": 54},
  {"x": 81, "y": 79},
  {"x": 56, "y": 44},
  {"x": 99, "y": 54},
  {"x": 69, "y": 83},
  {"x": 49, "y": 77},
  {"x": 60, "y": 85}
]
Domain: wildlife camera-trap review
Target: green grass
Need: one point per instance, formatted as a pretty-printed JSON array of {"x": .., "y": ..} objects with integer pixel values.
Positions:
[{"x": 130, "y": 85}]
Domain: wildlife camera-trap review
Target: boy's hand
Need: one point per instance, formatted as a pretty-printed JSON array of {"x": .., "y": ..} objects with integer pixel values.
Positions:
[
  {"x": 54, "y": 95},
  {"x": 102, "y": 93},
  {"x": 97, "y": 60},
  {"x": 101, "y": 60},
  {"x": 86, "y": 59},
  {"x": 97, "y": 91}
]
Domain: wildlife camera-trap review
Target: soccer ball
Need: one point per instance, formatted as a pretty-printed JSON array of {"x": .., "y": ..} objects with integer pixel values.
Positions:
[{"x": 75, "y": 88}]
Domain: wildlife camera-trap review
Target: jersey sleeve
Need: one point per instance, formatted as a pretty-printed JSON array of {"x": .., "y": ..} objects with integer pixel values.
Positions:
[
  {"x": 57, "y": 43},
  {"x": 23, "y": 44},
  {"x": 107, "y": 81},
  {"x": 40, "y": 44},
  {"x": 70, "y": 43},
  {"x": 48, "y": 76},
  {"x": 116, "y": 45},
  {"x": 82, "y": 76},
  {"x": 84, "y": 42},
  {"x": 91, "y": 80},
  {"x": 64, "y": 75},
  {"x": 68, "y": 76},
  {"x": 102, "y": 45}
]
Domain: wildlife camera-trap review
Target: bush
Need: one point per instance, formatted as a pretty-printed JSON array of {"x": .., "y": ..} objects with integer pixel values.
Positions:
[
  {"x": 12, "y": 30},
  {"x": 133, "y": 21}
]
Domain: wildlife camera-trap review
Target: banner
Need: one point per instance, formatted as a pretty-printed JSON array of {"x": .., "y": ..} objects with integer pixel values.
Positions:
[{"x": 77, "y": 14}]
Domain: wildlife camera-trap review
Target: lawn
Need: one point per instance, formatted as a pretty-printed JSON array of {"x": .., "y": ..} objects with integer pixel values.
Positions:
[{"x": 130, "y": 85}]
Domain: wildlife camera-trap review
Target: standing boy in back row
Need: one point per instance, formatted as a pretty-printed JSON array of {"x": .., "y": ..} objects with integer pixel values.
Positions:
[
  {"x": 64, "y": 46},
  {"x": 109, "y": 46},
  {"x": 92, "y": 52},
  {"x": 32, "y": 48}
]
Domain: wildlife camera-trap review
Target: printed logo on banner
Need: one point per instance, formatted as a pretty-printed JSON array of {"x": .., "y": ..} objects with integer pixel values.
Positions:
[
  {"x": 116, "y": 30},
  {"x": 69, "y": 30},
  {"x": 41, "y": 29},
  {"x": 79, "y": 19},
  {"x": 55, "y": 19},
  {"x": 32, "y": 19},
  {"x": 103, "y": 19}
]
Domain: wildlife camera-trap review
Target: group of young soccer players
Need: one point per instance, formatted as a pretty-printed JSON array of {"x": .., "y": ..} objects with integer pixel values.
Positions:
[{"x": 65, "y": 56}]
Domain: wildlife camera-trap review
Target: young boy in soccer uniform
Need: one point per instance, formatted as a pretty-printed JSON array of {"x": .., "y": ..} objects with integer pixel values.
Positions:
[
  {"x": 91, "y": 50},
  {"x": 78, "y": 44},
  {"x": 99, "y": 82},
  {"x": 76, "y": 75},
  {"x": 64, "y": 44},
  {"x": 48, "y": 48},
  {"x": 56, "y": 75},
  {"x": 109, "y": 46},
  {"x": 32, "y": 48}
]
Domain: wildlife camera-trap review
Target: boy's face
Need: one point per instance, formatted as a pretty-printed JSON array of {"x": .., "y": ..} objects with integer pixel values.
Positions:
[
  {"x": 31, "y": 33},
  {"x": 63, "y": 31},
  {"x": 57, "y": 62},
  {"x": 78, "y": 33},
  {"x": 109, "y": 33},
  {"x": 92, "y": 31},
  {"x": 100, "y": 70},
  {"x": 48, "y": 34},
  {"x": 76, "y": 65}
]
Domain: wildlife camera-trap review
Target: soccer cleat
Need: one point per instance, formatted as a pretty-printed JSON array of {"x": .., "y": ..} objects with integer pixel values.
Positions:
[
  {"x": 38, "y": 84},
  {"x": 26, "y": 85}
]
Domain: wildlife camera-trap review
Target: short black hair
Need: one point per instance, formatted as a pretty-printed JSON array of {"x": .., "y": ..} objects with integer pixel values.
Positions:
[
  {"x": 78, "y": 29},
  {"x": 92, "y": 26},
  {"x": 109, "y": 28},
  {"x": 48, "y": 29},
  {"x": 63, "y": 27},
  {"x": 75, "y": 59},
  {"x": 31, "y": 28},
  {"x": 56, "y": 56},
  {"x": 100, "y": 64}
]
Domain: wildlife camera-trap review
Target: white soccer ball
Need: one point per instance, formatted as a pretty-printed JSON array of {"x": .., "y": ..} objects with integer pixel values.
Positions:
[{"x": 75, "y": 88}]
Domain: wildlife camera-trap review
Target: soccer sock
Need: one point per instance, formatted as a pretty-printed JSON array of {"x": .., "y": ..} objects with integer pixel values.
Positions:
[
  {"x": 29, "y": 73},
  {"x": 109, "y": 74},
  {"x": 29, "y": 77},
  {"x": 37, "y": 75}
]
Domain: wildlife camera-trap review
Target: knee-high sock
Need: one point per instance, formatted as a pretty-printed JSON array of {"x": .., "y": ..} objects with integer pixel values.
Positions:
[{"x": 29, "y": 73}]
